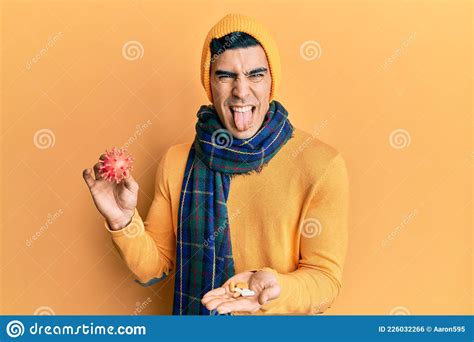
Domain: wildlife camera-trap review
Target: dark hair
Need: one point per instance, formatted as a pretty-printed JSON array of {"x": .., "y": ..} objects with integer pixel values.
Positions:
[{"x": 233, "y": 40}]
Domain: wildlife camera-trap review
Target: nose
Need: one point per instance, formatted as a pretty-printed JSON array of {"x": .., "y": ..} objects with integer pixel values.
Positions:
[{"x": 241, "y": 89}]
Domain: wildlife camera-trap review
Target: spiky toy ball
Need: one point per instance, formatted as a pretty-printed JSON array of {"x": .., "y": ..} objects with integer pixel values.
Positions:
[{"x": 116, "y": 165}]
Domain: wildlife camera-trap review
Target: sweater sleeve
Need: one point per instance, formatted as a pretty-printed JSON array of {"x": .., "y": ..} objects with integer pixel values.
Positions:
[
  {"x": 148, "y": 247},
  {"x": 316, "y": 283}
]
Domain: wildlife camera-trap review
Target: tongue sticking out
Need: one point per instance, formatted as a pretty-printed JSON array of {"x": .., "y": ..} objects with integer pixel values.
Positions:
[{"x": 242, "y": 120}]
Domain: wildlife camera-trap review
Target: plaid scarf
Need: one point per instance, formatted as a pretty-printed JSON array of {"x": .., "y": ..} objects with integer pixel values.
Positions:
[{"x": 203, "y": 251}]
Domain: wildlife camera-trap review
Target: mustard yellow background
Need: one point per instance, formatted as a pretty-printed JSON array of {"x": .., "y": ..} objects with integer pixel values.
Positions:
[{"x": 388, "y": 83}]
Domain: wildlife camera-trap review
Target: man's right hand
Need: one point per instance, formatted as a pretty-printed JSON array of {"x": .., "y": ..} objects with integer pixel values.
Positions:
[{"x": 116, "y": 202}]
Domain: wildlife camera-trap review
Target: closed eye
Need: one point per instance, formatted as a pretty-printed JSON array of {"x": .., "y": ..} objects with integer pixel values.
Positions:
[{"x": 256, "y": 77}]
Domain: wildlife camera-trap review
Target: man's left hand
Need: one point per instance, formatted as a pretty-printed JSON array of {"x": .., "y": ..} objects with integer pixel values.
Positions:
[{"x": 263, "y": 283}]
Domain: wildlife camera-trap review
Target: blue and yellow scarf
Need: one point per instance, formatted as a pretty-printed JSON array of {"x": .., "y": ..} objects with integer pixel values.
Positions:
[{"x": 204, "y": 251}]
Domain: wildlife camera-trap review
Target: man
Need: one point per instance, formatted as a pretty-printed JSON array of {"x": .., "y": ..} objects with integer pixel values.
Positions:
[{"x": 252, "y": 199}]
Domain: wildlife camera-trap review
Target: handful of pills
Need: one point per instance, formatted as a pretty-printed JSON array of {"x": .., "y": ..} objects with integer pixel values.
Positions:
[{"x": 240, "y": 289}]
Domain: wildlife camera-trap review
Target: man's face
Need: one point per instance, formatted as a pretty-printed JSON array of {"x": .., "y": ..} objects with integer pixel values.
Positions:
[{"x": 241, "y": 85}]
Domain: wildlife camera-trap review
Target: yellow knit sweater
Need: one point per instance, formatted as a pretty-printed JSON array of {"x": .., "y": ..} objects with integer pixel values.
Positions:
[{"x": 290, "y": 219}]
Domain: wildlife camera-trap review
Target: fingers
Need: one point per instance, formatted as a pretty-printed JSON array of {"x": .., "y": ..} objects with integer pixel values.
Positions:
[
  {"x": 87, "y": 175},
  {"x": 269, "y": 293},
  {"x": 206, "y": 300},
  {"x": 215, "y": 297},
  {"x": 214, "y": 303},
  {"x": 220, "y": 291},
  {"x": 239, "y": 304},
  {"x": 221, "y": 295},
  {"x": 131, "y": 183},
  {"x": 96, "y": 171}
]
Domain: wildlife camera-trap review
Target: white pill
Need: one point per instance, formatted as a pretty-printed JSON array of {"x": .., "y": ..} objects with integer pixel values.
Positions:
[
  {"x": 247, "y": 293},
  {"x": 238, "y": 289}
]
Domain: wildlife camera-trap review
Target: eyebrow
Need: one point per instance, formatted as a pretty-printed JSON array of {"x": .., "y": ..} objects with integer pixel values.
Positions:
[{"x": 233, "y": 74}]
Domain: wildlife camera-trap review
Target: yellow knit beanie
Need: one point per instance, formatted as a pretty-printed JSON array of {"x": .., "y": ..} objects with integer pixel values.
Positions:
[{"x": 233, "y": 23}]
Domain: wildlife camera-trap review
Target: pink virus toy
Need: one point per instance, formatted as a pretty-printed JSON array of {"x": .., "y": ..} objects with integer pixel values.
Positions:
[{"x": 116, "y": 165}]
